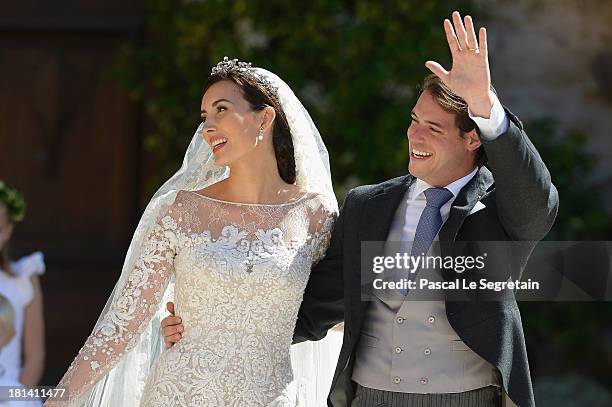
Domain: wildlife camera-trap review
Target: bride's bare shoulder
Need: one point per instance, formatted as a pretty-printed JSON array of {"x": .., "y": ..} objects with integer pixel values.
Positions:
[
  {"x": 212, "y": 191},
  {"x": 185, "y": 197},
  {"x": 293, "y": 192},
  {"x": 215, "y": 190}
]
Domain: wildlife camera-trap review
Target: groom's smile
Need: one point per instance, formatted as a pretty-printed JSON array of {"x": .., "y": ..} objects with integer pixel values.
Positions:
[{"x": 418, "y": 154}]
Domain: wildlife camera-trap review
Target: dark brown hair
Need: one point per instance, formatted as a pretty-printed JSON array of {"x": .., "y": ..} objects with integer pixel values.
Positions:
[
  {"x": 258, "y": 98},
  {"x": 452, "y": 103}
]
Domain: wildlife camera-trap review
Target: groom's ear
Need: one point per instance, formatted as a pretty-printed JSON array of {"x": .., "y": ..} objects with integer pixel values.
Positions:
[{"x": 472, "y": 141}]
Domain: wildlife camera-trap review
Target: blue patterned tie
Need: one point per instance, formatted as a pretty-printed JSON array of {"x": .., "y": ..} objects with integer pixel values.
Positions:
[{"x": 429, "y": 223}]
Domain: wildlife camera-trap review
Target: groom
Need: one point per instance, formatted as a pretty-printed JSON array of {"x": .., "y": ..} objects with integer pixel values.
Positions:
[
  {"x": 441, "y": 352},
  {"x": 438, "y": 353}
]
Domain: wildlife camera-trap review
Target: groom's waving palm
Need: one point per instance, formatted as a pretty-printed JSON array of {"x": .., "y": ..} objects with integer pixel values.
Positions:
[{"x": 469, "y": 77}]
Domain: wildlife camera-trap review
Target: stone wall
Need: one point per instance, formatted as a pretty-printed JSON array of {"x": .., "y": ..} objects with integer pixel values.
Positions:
[{"x": 554, "y": 58}]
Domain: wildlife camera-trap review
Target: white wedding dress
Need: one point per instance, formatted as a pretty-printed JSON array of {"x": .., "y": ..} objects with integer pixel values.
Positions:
[{"x": 240, "y": 271}]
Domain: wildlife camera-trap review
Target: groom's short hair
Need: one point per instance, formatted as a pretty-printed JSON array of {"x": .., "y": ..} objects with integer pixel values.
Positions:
[{"x": 456, "y": 105}]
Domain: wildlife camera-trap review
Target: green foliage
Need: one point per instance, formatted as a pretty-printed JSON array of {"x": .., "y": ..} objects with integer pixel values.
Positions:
[
  {"x": 568, "y": 337},
  {"x": 354, "y": 65},
  {"x": 13, "y": 201},
  {"x": 581, "y": 211}
]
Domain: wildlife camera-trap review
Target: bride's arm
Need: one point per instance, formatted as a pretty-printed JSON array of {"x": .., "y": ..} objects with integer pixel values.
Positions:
[{"x": 131, "y": 310}]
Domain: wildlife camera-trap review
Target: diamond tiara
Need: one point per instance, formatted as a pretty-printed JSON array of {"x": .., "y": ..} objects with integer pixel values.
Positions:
[{"x": 245, "y": 70}]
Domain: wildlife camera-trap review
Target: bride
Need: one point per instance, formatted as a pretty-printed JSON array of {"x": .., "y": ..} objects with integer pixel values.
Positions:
[{"x": 231, "y": 239}]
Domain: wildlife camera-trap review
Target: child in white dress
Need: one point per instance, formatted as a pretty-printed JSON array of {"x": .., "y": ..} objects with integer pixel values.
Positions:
[{"x": 22, "y": 357}]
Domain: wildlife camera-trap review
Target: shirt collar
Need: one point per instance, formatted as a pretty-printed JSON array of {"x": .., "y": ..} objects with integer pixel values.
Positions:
[{"x": 420, "y": 186}]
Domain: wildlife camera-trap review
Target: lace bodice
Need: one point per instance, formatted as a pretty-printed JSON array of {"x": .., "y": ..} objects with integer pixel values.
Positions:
[{"x": 240, "y": 272}]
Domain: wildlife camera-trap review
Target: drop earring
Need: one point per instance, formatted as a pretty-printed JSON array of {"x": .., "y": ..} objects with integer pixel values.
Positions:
[{"x": 260, "y": 137}]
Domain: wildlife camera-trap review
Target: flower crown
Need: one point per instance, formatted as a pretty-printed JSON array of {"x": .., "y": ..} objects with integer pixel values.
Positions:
[
  {"x": 14, "y": 202},
  {"x": 244, "y": 69}
]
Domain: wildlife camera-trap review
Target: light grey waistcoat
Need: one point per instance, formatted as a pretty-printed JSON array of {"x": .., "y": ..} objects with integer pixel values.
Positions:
[{"x": 409, "y": 346}]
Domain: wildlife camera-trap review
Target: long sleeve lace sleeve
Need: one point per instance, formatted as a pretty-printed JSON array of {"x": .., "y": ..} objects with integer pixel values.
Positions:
[
  {"x": 133, "y": 306},
  {"x": 321, "y": 225}
]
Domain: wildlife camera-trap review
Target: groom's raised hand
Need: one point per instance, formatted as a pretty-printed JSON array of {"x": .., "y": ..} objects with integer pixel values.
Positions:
[
  {"x": 469, "y": 77},
  {"x": 172, "y": 328}
]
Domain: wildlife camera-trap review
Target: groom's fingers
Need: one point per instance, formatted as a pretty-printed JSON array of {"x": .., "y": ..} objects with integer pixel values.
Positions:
[
  {"x": 170, "y": 307},
  {"x": 482, "y": 39},
  {"x": 460, "y": 30},
  {"x": 170, "y": 322},
  {"x": 451, "y": 38},
  {"x": 437, "y": 69},
  {"x": 171, "y": 340},
  {"x": 471, "y": 34},
  {"x": 172, "y": 330},
  {"x": 168, "y": 342}
]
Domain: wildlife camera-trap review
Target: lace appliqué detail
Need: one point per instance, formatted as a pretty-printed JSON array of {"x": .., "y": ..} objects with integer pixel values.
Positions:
[{"x": 240, "y": 273}]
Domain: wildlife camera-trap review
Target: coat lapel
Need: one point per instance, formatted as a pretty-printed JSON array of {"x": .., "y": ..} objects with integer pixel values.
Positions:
[
  {"x": 462, "y": 205},
  {"x": 376, "y": 221},
  {"x": 380, "y": 209}
]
